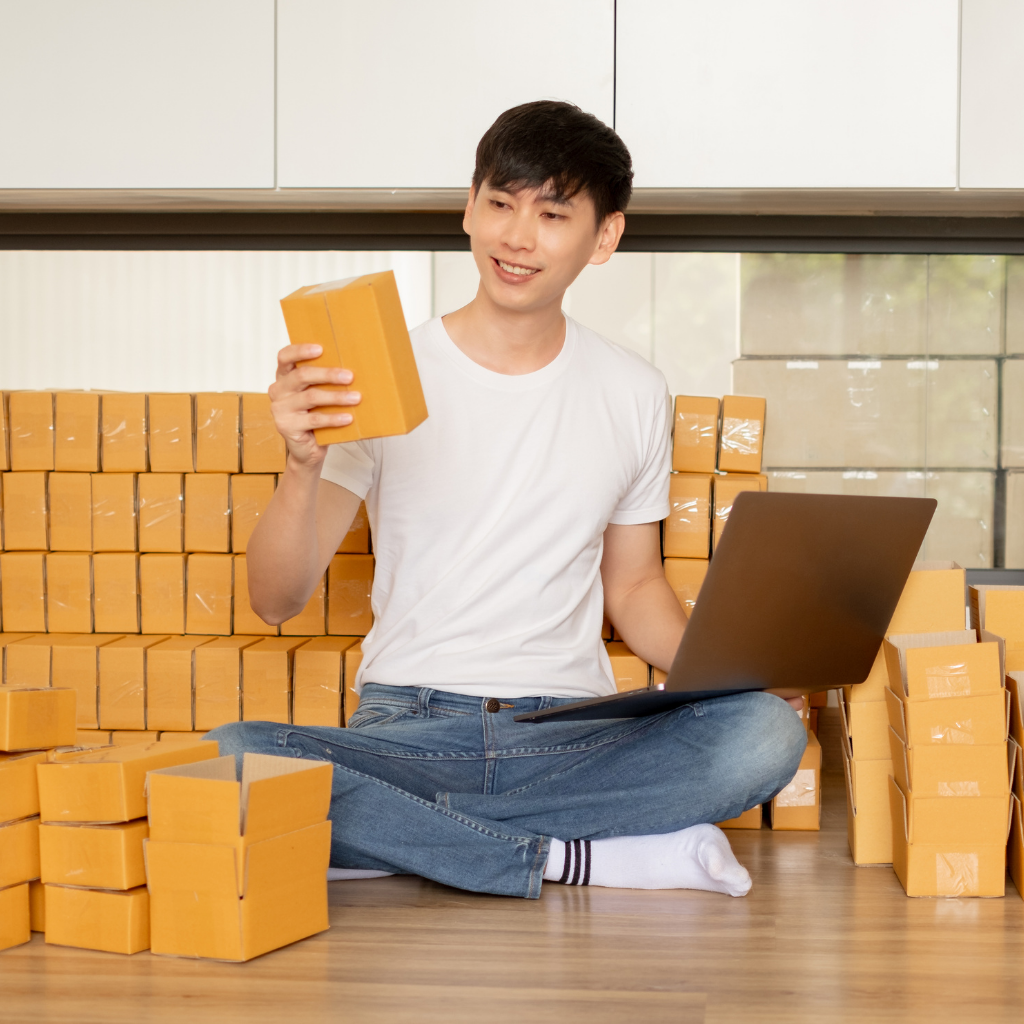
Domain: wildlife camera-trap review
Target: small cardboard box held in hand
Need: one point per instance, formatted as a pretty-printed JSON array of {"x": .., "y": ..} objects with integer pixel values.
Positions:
[
  {"x": 360, "y": 326},
  {"x": 237, "y": 869}
]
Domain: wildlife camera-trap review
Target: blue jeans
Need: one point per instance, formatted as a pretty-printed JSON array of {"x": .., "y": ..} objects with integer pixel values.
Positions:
[{"x": 430, "y": 783}]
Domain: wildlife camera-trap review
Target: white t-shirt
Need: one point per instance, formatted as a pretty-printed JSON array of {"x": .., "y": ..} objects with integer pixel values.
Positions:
[{"x": 488, "y": 518}]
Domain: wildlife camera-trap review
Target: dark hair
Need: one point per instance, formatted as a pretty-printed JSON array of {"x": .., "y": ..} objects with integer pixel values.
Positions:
[{"x": 556, "y": 144}]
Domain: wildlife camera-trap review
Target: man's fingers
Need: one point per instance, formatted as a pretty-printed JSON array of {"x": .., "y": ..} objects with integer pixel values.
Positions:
[
  {"x": 311, "y": 398},
  {"x": 292, "y": 354}
]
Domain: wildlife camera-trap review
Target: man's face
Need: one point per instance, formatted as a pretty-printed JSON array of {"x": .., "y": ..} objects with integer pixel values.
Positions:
[{"x": 530, "y": 248}]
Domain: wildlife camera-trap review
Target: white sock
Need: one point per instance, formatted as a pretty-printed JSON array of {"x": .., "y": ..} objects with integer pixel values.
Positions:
[
  {"x": 346, "y": 874},
  {"x": 698, "y": 857}
]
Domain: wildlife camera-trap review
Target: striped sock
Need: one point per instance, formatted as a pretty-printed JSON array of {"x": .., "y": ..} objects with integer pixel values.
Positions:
[{"x": 574, "y": 861}]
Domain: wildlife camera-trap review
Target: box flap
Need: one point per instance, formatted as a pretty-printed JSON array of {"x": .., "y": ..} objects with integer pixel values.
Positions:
[
  {"x": 987, "y": 637},
  {"x": 898, "y": 808},
  {"x": 201, "y": 868},
  {"x": 902, "y": 642},
  {"x": 274, "y": 863},
  {"x": 897, "y": 715},
  {"x": 281, "y": 794},
  {"x": 196, "y": 803}
]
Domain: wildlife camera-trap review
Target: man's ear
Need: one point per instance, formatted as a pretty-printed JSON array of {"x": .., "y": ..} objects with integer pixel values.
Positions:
[
  {"x": 608, "y": 237},
  {"x": 468, "y": 215}
]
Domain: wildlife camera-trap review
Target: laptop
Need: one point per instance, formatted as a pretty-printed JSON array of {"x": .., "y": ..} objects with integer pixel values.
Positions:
[{"x": 797, "y": 599}]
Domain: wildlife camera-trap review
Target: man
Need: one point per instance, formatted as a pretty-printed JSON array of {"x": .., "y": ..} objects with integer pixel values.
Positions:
[{"x": 503, "y": 526}]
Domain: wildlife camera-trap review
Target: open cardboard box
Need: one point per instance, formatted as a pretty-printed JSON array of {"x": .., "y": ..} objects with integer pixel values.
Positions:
[
  {"x": 981, "y": 720},
  {"x": 997, "y": 608},
  {"x": 929, "y": 666},
  {"x": 957, "y": 848},
  {"x": 108, "y": 784},
  {"x": 957, "y": 770},
  {"x": 237, "y": 869}
]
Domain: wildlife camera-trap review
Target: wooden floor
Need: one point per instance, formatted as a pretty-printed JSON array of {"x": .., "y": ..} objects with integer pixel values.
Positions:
[{"x": 817, "y": 939}]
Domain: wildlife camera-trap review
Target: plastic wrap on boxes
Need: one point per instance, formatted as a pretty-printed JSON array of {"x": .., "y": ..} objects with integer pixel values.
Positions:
[
  {"x": 726, "y": 488},
  {"x": 687, "y": 530},
  {"x": 218, "y": 685},
  {"x": 741, "y": 440},
  {"x": 170, "y": 675},
  {"x": 23, "y": 594},
  {"x": 114, "y": 524},
  {"x": 69, "y": 592},
  {"x": 123, "y": 682},
  {"x": 207, "y": 512},
  {"x": 123, "y": 426},
  {"x": 263, "y": 449},
  {"x": 115, "y": 580},
  {"x": 250, "y": 495},
  {"x": 70, "y": 505},
  {"x": 74, "y": 664},
  {"x": 161, "y": 517},
  {"x": 77, "y": 434},
  {"x": 349, "y": 585},
  {"x": 162, "y": 593},
  {"x": 30, "y": 421},
  {"x": 171, "y": 433},
  {"x": 25, "y": 512},
  {"x": 209, "y": 583},
  {"x": 695, "y": 434},
  {"x": 318, "y": 681},
  {"x": 217, "y": 432}
]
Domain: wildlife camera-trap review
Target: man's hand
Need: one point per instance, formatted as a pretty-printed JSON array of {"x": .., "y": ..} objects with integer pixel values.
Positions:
[{"x": 295, "y": 401}]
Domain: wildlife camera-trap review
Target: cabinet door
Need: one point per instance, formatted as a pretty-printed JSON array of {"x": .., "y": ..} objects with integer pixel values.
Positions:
[
  {"x": 789, "y": 93},
  {"x": 992, "y": 94},
  {"x": 396, "y": 93},
  {"x": 130, "y": 94}
]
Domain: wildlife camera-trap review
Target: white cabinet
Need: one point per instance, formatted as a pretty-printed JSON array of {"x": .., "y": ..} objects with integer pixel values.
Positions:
[
  {"x": 396, "y": 93},
  {"x": 789, "y": 93},
  {"x": 992, "y": 94},
  {"x": 136, "y": 94}
]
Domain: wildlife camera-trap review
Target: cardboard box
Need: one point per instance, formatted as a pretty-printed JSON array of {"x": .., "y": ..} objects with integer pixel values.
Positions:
[
  {"x": 865, "y": 729},
  {"x": 217, "y": 432},
  {"x": 112, "y": 922},
  {"x": 6, "y": 639},
  {"x": 209, "y": 584},
  {"x": 207, "y": 512},
  {"x": 998, "y": 609},
  {"x": 23, "y": 593},
  {"x": 868, "y": 818},
  {"x": 123, "y": 426},
  {"x": 123, "y": 682},
  {"x": 741, "y": 440},
  {"x": 77, "y": 433},
  {"x": 360, "y": 325},
  {"x": 195, "y": 736},
  {"x": 357, "y": 540},
  {"x": 749, "y": 819},
  {"x": 956, "y": 848},
  {"x": 798, "y": 806},
  {"x": 107, "y": 784},
  {"x": 133, "y": 737},
  {"x": 873, "y": 688},
  {"x": 171, "y": 433},
  {"x": 237, "y": 869},
  {"x": 263, "y": 448},
  {"x": 15, "y": 916},
  {"x": 931, "y": 666},
  {"x": 170, "y": 677},
  {"x": 19, "y": 792},
  {"x": 725, "y": 490},
  {"x": 162, "y": 593},
  {"x": 36, "y": 719},
  {"x": 114, "y": 525},
  {"x": 25, "y": 518},
  {"x": 246, "y": 621},
  {"x": 1015, "y": 686},
  {"x": 250, "y": 496},
  {"x": 98, "y": 856},
  {"x": 92, "y": 738},
  {"x": 695, "y": 435},
  {"x": 687, "y": 530},
  {"x": 5, "y": 439},
  {"x": 70, "y": 501},
  {"x": 161, "y": 515},
  {"x": 27, "y": 665},
  {"x": 30, "y": 418},
  {"x": 933, "y": 770},
  {"x": 75, "y": 665},
  {"x": 630, "y": 671},
  {"x": 267, "y": 679},
  {"x": 37, "y": 905},
  {"x": 349, "y": 585},
  {"x": 685, "y": 576},
  {"x": 318, "y": 681},
  {"x": 932, "y": 600},
  {"x": 218, "y": 685},
  {"x": 1015, "y": 850},
  {"x": 19, "y": 851},
  {"x": 952, "y": 720},
  {"x": 69, "y": 592},
  {"x": 312, "y": 620},
  {"x": 115, "y": 592},
  {"x": 353, "y": 661}
]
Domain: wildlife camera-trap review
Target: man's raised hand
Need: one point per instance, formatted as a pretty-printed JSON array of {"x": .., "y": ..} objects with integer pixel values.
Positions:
[{"x": 296, "y": 400}]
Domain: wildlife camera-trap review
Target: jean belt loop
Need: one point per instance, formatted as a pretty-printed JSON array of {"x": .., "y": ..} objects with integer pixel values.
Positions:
[{"x": 423, "y": 701}]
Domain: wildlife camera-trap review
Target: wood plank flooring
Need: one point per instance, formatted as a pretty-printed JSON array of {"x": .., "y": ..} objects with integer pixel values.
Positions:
[{"x": 816, "y": 940}]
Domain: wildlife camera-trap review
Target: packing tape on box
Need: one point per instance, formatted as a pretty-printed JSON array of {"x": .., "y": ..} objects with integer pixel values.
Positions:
[
  {"x": 957, "y": 732},
  {"x": 741, "y": 437},
  {"x": 959, "y": 789},
  {"x": 688, "y": 515},
  {"x": 956, "y": 874},
  {"x": 800, "y": 792},
  {"x": 948, "y": 680},
  {"x": 696, "y": 428}
]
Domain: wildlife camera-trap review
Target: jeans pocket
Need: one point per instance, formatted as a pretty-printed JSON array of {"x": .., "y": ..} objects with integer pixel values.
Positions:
[{"x": 380, "y": 713}]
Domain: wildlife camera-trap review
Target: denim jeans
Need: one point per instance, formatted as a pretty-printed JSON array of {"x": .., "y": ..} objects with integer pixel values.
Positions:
[{"x": 431, "y": 783}]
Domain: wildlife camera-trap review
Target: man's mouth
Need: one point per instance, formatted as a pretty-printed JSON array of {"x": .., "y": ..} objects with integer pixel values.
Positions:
[{"x": 513, "y": 268}]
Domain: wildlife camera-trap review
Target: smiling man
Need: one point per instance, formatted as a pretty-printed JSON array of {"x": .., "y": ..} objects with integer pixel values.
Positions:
[{"x": 504, "y": 526}]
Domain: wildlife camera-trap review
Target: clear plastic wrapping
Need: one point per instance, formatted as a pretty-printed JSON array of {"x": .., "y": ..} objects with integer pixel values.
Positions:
[
  {"x": 263, "y": 448},
  {"x": 250, "y": 495},
  {"x": 207, "y": 512},
  {"x": 217, "y": 434},
  {"x": 171, "y": 433},
  {"x": 209, "y": 583},
  {"x": 26, "y": 522},
  {"x": 161, "y": 516},
  {"x": 114, "y": 522},
  {"x": 123, "y": 426},
  {"x": 30, "y": 420},
  {"x": 77, "y": 431}
]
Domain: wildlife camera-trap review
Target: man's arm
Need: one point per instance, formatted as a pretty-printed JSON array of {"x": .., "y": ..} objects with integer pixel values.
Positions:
[
  {"x": 637, "y": 597},
  {"x": 297, "y": 536}
]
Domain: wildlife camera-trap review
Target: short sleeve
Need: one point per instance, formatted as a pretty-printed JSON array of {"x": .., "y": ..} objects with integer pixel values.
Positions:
[
  {"x": 646, "y": 501},
  {"x": 350, "y": 465}
]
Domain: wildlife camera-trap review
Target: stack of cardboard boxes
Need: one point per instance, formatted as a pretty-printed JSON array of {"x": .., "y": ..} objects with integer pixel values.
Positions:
[{"x": 933, "y": 600}]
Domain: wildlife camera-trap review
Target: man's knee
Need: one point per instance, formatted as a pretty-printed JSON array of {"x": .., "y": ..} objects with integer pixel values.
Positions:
[{"x": 238, "y": 738}]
